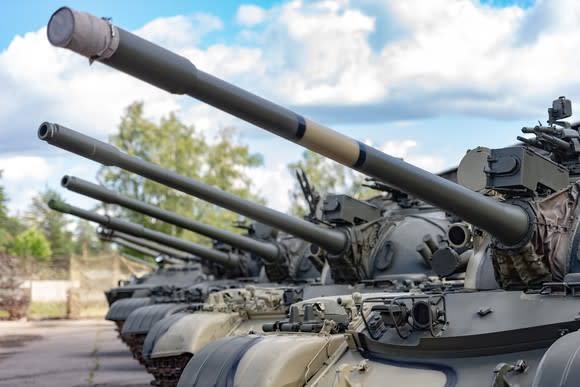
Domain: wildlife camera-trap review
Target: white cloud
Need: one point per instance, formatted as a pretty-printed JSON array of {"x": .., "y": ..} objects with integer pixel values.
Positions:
[
  {"x": 331, "y": 59},
  {"x": 407, "y": 150},
  {"x": 273, "y": 184},
  {"x": 179, "y": 31},
  {"x": 24, "y": 177},
  {"x": 250, "y": 15},
  {"x": 24, "y": 168},
  {"x": 455, "y": 57},
  {"x": 41, "y": 83}
]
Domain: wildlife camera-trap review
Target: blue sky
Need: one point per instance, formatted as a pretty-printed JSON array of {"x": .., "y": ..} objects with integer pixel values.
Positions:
[
  {"x": 423, "y": 80},
  {"x": 31, "y": 15}
]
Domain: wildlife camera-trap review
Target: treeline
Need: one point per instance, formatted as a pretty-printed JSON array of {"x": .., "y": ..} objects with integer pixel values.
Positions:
[
  {"x": 220, "y": 161},
  {"x": 43, "y": 234}
]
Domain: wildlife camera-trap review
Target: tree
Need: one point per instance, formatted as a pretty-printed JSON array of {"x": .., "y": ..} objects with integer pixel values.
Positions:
[
  {"x": 52, "y": 224},
  {"x": 327, "y": 177},
  {"x": 86, "y": 242},
  {"x": 180, "y": 148},
  {"x": 9, "y": 225},
  {"x": 3, "y": 200},
  {"x": 31, "y": 243}
]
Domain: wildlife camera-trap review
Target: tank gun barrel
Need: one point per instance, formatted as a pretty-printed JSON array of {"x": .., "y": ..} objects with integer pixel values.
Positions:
[
  {"x": 106, "y": 233},
  {"x": 210, "y": 254},
  {"x": 268, "y": 251},
  {"x": 331, "y": 240},
  {"x": 133, "y": 246},
  {"x": 98, "y": 40},
  {"x": 138, "y": 260}
]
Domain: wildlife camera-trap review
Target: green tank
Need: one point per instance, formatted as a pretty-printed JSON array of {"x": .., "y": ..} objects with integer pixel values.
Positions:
[
  {"x": 281, "y": 264},
  {"x": 350, "y": 245},
  {"x": 360, "y": 245},
  {"x": 226, "y": 264},
  {"x": 524, "y": 333},
  {"x": 521, "y": 333},
  {"x": 230, "y": 261}
]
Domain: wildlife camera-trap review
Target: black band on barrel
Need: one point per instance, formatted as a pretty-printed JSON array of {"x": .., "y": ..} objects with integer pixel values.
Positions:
[
  {"x": 362, "y": 155},
  {"x": 301, "y": 127}
]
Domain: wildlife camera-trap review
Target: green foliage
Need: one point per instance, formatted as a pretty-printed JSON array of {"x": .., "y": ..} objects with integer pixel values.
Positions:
[
  {"x": 5, "y": 237},
  {"x": 53, "y": 224},
  {"x": 327, "y": 177},
  {"x": 47, "y": 310},
  {"x": 86, "y": 242},
  {"x": 9, "y": 225},
  {"x": 8, "y": 229},
  {"x": 31, "y": 243},
  {"x": 173, "y": 145},
  {"x": 3, "y": 200}
]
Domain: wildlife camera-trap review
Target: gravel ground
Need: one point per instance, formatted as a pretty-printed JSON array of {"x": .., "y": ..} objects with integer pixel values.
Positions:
[{"x": 66, "y": 353}]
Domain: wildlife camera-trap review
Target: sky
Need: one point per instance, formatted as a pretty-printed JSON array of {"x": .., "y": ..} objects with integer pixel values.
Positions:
[{"x": 421, "y": 80}]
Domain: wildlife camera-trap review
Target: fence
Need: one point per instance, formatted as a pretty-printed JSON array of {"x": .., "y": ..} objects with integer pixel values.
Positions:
[
  {"x": 95, "y": 275},
  {"x": 75, "y": 287}
]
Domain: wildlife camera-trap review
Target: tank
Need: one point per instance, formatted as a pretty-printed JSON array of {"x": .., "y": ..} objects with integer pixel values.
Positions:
[
  {"x": 377, "y": 249},
  {"x": 284, "y": 260},
  {"x": 349, "y": 245},
  {"x": 404, "y": 246},
  {"x": 524, "y": 333},
  {"x": 401, "y": 247},
  {"x": 193, "y": 287},
  {"x": 280, "y": 263},
  {"x": 229, "y": 261},
  {"x": 171, "y": 266}
]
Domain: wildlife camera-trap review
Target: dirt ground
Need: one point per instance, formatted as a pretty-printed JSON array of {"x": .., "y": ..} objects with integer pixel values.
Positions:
[{"x": 66, "y": 353}]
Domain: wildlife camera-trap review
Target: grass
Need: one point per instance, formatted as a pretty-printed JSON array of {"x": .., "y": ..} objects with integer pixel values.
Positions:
[
  {"x": 94, "y": 311},
  {"x": 47, "y": 310},
  {"x": 51, "y": 310}
]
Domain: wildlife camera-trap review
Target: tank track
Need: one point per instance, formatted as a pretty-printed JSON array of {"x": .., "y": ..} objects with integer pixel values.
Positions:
[
  {"x": 135, "y": 343},
  {"x": 119, "y": 329},
  {"x": 167, "y": 370},
  {"x": 119, "y": 325}
]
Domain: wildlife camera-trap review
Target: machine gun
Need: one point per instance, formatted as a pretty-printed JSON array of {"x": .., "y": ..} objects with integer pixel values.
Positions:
[
  {"x": 311, "y": 196},
  {"x": 559, "y": 139}
]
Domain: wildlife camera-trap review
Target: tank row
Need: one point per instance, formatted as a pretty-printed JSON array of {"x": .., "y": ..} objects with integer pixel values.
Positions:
[{"x": 473, "y": 285}]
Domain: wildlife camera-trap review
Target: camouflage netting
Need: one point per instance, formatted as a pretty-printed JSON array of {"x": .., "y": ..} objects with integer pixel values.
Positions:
[
  {"x": 546, "y": 256},
  {"x": 13, "y": 299},
  {"x": 93, "y": 276}
]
